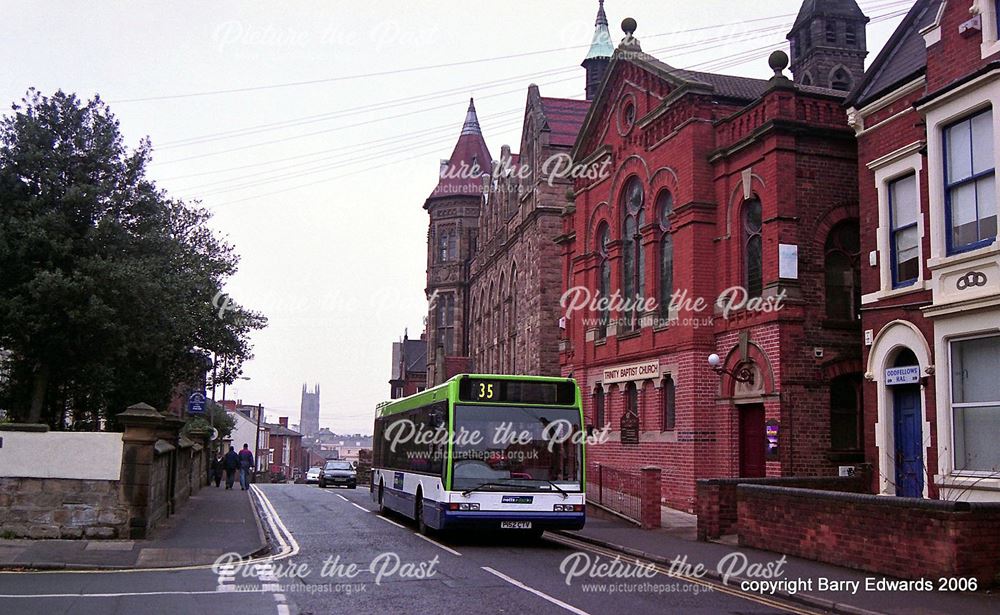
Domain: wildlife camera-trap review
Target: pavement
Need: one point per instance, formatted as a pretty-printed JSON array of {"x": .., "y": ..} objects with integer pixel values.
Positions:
[
  {"x": 676, "y": 543},
  {"x": 212, "y": 522}
]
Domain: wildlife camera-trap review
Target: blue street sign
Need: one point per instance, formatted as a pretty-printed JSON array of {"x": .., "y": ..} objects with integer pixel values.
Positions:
[{"x": 196, "y": 403}]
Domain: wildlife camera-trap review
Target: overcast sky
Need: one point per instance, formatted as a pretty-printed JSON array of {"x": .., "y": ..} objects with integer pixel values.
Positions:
[{"x": 303, "y": 127}]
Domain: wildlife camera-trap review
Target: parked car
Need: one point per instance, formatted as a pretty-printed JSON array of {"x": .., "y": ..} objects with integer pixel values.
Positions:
[
  {"x": 312, "y": 476},
  {"x": 338, "y": 473}
]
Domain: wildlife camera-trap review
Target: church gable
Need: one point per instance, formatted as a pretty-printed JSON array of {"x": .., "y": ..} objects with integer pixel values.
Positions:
[{"x": 630, "y": 92}]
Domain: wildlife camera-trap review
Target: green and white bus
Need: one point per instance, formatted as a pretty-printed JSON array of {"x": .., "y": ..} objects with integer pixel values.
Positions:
[{"x": 483, "y": 452}]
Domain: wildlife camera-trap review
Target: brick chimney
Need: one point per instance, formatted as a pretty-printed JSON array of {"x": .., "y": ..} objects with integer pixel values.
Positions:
[{"x": 283, "y": 421}]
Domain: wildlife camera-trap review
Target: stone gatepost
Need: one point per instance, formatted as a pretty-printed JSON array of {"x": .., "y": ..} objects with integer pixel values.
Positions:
[
  {"x": 142, "y": 425},
  {"x": 176, "y": 485},
  {"x": 649, "y": 497},
  {"x": 202, "y": 460}
]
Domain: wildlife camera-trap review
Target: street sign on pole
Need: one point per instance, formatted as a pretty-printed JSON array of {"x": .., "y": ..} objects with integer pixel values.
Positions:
[{"x": 196, "y": 403}]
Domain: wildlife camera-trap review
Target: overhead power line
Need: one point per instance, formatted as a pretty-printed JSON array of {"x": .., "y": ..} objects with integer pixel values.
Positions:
[
  {"x": 715, "y": 64},
  {"x": 412, "y": 69}
]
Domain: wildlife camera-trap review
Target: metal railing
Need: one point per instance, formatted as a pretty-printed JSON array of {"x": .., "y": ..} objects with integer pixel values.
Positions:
[{"x": 615, "y": 489}]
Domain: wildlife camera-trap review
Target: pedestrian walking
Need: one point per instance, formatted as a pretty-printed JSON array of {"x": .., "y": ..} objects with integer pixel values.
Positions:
[
  {"x": 217, "y": 467},
  {"x": 231, "y": 464},
  {"x": 246, "y": 465}
]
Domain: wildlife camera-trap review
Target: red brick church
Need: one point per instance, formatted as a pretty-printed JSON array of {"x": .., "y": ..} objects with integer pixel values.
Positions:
[{"x": 732, "y": 204}]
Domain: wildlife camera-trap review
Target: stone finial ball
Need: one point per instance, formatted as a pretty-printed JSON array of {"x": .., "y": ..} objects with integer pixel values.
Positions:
[
  {"x": 778, "y": 61},
  {"x": 629, "y": 25}
]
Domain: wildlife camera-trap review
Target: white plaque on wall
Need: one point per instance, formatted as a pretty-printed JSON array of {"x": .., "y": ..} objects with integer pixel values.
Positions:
[{"x": 788, "y": 261}]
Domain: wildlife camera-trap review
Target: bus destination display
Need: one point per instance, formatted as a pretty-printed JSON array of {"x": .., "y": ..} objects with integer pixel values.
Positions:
[{"x": 498, "y": 391}]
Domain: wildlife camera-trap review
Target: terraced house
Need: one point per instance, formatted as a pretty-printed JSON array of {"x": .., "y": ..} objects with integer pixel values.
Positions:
[{"x": 926, "y": 118}]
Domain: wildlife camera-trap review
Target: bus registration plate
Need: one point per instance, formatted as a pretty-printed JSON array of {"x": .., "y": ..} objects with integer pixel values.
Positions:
[{"x": 515, "y": 525}]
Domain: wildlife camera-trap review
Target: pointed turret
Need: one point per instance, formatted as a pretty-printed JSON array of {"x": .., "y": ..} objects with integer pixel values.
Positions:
[
  {"x": 471, "y": 126},
  {"x": 462, "y": 173},
  {"x": 599, "y": 55}
]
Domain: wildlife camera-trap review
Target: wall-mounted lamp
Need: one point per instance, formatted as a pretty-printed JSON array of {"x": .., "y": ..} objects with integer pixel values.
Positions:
[{"x": 743, "y": 373}]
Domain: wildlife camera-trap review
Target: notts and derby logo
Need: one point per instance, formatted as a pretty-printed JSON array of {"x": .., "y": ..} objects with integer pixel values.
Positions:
[{"x": 971, "y": 280}]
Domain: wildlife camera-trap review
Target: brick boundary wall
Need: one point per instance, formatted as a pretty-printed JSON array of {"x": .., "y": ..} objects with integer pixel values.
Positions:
[
  {"x": 716, "y": 502},
  {"x": 903, "y": 537}
]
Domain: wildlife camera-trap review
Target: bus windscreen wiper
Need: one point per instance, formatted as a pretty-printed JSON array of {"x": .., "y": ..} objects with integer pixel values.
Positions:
[
  {"x": 478, "y": 487},
  {"x": 558, "y": 488}
]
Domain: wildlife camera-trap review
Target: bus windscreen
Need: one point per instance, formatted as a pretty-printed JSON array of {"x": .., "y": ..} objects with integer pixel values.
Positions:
[{"x": 527, "y": 447}]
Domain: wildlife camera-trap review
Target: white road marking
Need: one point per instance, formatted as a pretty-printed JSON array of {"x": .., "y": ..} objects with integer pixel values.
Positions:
[
  {"x": 128, "y": 594},
  {"x": 540, "y": 594},
  {"x": 341, "y": 497},
  {"x": 289, "y": 547},
  {"x": 387, "y": 520},
  {"x": 361, "y": 508},
  {"x": 437, "y": 544}
]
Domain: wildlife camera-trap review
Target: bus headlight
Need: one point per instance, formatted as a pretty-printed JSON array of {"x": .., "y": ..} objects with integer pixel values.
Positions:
[
  {"x": 567, "y": 507},
  {"x": 468, "y": 506}
]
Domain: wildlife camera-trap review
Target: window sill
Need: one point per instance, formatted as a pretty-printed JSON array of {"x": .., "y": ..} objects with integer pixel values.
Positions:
[
  {"x": 966, "y": 482},
  {"x": 629, "y": 335},
  {"x": 889, "y": 293},
  {"x": 965, "y": 256},
  {"x": 989, "y": 48}
]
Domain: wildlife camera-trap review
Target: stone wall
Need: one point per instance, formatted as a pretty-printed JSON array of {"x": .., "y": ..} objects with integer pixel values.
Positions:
[
  {"x": 158, "y": 470},
  {"x": 62, "y": 508}
]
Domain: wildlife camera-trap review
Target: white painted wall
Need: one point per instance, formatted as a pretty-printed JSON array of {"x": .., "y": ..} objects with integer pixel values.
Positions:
[
  {"x": 245, "y": 431},
  {"x": 61, "y": 454}
]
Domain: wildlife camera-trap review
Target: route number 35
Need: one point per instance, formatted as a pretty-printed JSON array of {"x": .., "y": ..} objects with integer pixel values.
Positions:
[{"x": 485, "y": 390}]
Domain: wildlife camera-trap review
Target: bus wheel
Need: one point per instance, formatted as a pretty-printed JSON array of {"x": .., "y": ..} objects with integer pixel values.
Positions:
[
  {"x": 418, "y": 512},
  {"x": 381, "y": 504}
]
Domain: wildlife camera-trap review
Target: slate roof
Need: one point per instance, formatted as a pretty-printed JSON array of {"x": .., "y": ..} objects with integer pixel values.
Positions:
[
  {"x": 903, "y": 58},
  {"x": 563, "y": 118},
  {"x": 728, "y": 86},
  {"x": 278, "y": 430},
  {"x": 746, "y": 89},
  {"x": 415, "y": 354},
  {"x": 411, "y": 352}
]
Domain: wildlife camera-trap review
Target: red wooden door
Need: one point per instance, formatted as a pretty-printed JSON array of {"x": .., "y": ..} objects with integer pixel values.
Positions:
[{"x": 753, "y": 441}]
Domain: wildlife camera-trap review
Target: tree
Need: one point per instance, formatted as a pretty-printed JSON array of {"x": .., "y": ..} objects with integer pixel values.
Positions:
[{"x": 107, "y": 285}]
